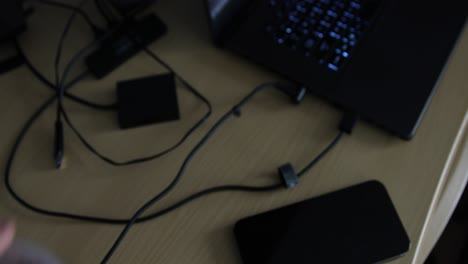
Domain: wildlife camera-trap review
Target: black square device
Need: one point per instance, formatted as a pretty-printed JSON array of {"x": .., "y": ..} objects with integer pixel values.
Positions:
[{"x": 147, "y": 100}]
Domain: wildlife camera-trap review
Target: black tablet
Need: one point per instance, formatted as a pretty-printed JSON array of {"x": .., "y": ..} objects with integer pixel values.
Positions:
[{"x": 358, "y": 224}]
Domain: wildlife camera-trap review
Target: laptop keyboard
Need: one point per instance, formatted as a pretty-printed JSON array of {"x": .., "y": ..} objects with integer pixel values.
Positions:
[{"x": 325, "y": 31}]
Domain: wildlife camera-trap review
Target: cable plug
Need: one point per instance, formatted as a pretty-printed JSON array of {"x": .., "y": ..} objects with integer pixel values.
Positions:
[
  {"x": 237, "y": 111},
  {"x": 288, "y": 175},
  {"x": 296, "y": 93},
  {"x": 59, "y": 145},
  {"x": 348, "y": 122}
]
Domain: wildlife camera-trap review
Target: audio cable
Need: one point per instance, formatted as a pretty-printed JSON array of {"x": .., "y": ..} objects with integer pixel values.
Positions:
[
  {"x": 96, "y": 29},
  {"x": 59, "y": 146}
]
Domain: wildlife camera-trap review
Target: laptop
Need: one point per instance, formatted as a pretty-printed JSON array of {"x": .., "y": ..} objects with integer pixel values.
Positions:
[{"x": 381, "y": 59}]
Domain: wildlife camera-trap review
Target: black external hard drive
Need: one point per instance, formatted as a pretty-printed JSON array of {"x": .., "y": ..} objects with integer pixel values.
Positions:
[{"x": 358, "y": 225}]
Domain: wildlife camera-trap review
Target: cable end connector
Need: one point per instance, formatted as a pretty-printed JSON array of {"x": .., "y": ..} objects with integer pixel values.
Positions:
[
  {"x": 237, "y": 111},
  {"x": 296, "y": 93},
  {"x": 299, "y": 94},
  {"x": 59, "y": 145},
  {"x": 348, "y": 122},
  {"x": 288, "y": 175}
]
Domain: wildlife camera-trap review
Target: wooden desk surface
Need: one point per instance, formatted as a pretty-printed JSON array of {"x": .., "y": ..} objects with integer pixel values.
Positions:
[{"x": 245, "y": 151}]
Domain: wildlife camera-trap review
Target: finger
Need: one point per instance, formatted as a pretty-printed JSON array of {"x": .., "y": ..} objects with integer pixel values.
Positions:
[{"x": 7, "y": 233}]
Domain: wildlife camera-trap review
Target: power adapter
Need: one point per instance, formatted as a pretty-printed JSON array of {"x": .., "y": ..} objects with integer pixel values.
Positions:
[{"x": 147, "y": 100}]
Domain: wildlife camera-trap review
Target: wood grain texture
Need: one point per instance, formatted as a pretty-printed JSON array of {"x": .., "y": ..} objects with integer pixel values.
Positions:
[{"x": 246, "y": 150}]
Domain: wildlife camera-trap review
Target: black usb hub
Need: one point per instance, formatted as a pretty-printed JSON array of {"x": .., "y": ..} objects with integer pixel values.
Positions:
[{"x": 124, "y": 43}]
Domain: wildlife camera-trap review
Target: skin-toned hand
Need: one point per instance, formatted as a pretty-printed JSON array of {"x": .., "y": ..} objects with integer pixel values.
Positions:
[
  {"x": 20, "y": 252},
  {"x": 7, "y": 234}
]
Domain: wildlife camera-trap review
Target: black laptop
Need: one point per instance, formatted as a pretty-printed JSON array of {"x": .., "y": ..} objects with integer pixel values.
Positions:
[{"x": 379, "y": 58}]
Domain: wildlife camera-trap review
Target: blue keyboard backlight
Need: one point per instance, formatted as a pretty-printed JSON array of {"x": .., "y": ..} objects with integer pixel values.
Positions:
[{"x": 333, "y": 67}]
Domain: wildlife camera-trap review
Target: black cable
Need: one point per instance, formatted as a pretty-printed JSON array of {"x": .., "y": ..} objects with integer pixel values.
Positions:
[
  {"x": 26, "y": 204},
  {"x": 103, "y": 12},
  {"x": 104, "y": 220},
  {"x": 59, "y": 138},
  {"x": 58, "y": 56},
  {"x": 235, "y": 111},
  {"x": 80, "y": 54},
  {"x": 41, "y": 77},
  {"x": 108, "y": 8},
  {"x": 180, "y": 78},
  {"x": 137, "y": 160},
  {"x": 322, "y": 154},
  {"x": 94, "y": 27},
  {"x": 162, "y": 212},
  {"x": 49, "y": 84},
  {"x": 168, "y": 189},
  {"x": 20, "y": 138}
]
